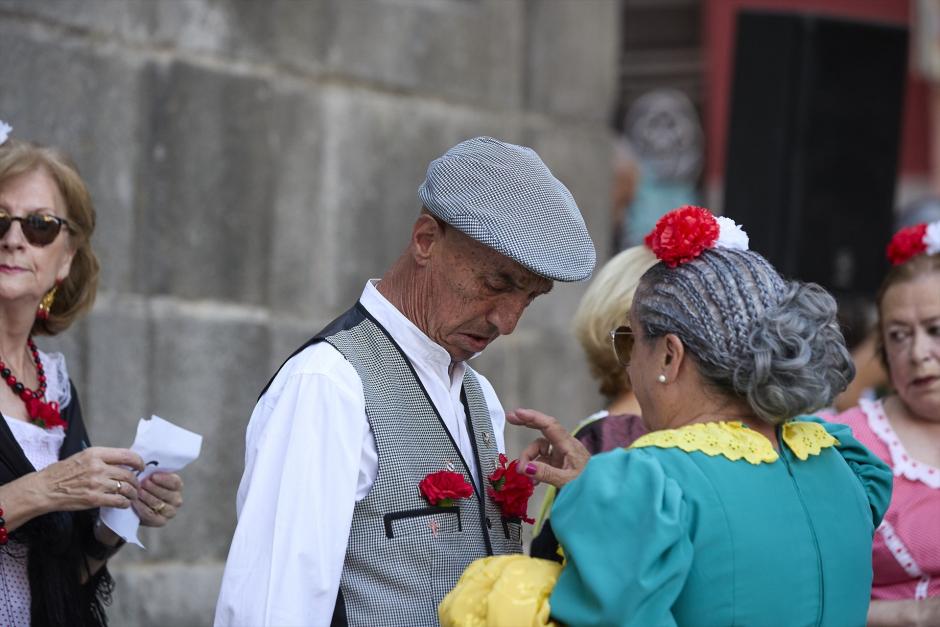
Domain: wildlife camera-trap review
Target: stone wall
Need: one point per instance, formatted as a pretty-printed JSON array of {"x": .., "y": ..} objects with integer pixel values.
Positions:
[{"x": 253, "y": 163}]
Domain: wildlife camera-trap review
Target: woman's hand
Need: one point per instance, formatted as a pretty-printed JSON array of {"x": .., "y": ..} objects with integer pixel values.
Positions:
[
  {"x": 95, "y": 477},
  {"x": 159, "y": 498},
  {"x": 557, "y": 457},
  {"x": 904, "y": 612}
]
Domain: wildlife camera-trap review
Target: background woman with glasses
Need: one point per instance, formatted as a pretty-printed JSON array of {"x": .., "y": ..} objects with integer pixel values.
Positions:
[
  {"x": 599, "y": 326},
  {"x": 52, "y": 546}
]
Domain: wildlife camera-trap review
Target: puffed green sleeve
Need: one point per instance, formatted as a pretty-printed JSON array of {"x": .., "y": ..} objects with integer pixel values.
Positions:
[
  {"x": 874, "y": 475},
  {"x": 624, "y": 528}
]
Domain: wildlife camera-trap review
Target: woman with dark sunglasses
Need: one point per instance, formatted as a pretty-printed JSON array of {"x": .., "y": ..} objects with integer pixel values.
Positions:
[{"x": 53, "y": 547}]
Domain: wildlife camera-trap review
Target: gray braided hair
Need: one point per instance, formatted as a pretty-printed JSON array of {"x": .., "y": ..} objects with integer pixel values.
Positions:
[{"x": 753, "y": 335}]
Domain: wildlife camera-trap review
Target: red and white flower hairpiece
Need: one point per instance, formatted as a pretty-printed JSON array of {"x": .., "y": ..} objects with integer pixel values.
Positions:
[
  {"x": 911, "y": 241},
  {"x": 4, "y": 131},
  {"x": 682, "y": 234}
]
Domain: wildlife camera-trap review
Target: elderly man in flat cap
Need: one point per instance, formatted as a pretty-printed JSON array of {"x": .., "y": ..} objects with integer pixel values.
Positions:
[{"x": 332, "y": 527}]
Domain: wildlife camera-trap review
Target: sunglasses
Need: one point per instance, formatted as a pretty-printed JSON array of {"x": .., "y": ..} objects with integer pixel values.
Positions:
[
  {"x": 621, "y": 339},
  {"x": 38, "y": 229}
]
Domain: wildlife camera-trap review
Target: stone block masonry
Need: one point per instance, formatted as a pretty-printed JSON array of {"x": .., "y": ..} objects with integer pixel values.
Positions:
[{"x": 253, "y": 164}]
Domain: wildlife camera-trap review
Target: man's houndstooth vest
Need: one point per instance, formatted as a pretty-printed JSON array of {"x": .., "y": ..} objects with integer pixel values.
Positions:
[{"x": 403, "y": 554}]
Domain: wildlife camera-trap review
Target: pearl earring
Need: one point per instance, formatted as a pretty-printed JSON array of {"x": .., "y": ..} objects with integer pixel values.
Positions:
[{"x": 661, "y": 378}]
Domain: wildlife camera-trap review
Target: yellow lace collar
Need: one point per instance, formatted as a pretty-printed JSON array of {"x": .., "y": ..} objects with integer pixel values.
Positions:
[{"x": 735, "y": 441}]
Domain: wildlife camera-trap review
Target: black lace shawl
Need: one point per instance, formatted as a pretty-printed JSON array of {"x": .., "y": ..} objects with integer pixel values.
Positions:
[{"x": 57, "y": 541}]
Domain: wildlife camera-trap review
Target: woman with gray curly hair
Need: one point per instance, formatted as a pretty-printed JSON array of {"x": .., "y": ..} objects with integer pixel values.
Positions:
[{"x": 737, "y": 508}]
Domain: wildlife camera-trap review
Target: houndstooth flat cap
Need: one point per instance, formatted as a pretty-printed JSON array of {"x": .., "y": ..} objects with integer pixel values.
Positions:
[{"x": 503, "y": 196}]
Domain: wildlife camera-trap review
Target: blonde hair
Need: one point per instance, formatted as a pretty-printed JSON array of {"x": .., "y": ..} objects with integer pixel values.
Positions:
[
  {"x": 605, "y": 306},
  {"x": 76, "y": 294}
]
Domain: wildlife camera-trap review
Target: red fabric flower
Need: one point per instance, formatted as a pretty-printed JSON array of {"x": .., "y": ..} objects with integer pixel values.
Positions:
[
  {"x": 907, "y": 243},
  {"x": 511, "y": 490},
  {"x": 45, "y": 415},
  {"x": 682, "y": 234},
  {"x": 444, "y": 487}
]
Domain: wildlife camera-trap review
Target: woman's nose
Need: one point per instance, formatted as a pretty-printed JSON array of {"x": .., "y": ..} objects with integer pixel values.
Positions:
[{"x": 13, "y": 237}]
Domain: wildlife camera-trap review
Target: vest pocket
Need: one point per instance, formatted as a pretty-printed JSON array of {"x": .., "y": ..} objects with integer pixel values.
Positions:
[
  {"x": 430, "y": 521},
  {"x": 512, "y": 529}
]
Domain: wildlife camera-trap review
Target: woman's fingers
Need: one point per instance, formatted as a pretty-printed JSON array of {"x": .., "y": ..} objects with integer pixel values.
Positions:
[
  {"x": 115, "y": 456},
  {"x": 557, "y": 477},
  {"x": 562, "y": 443},
  {"x": 118, "y": 486},
  {"x": 557, "y": 457},
  {"x": 553, "y": 431},
  {"x": 114, "y": 499},
  {"x": 153, "y": 511},
  {"x": 114, "y": 493},
  {"x": 126, "y": 489},
  {"x": 148, "y": 516},
  {"x": 530, "y": 418},
  {"x": 533, "y": 451},
  {"x": 159, "y": 499},
  {"x": 168, "y": 480},
  {"x": 170, "y": 497}
]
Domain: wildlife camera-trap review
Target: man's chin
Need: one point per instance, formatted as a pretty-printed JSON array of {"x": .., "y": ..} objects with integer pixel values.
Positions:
[
  {"x": 460, "y": 354},
  {"x": 466, "y": 349},
  {"x": 470, "y": 345}
]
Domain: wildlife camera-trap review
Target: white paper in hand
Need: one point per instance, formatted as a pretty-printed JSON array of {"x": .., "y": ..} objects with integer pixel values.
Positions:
[{"x": 164, "y": 447}]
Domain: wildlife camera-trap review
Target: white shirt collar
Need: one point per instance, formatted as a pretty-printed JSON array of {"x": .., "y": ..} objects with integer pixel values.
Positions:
[{"x": 412, "y": 340}]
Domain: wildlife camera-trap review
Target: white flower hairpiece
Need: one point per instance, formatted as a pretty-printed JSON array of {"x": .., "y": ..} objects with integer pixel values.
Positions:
[
  {"x": 4, "y": 131},
  {"x": 730, "y": 235},
  {"x": 932, "y": 238}
]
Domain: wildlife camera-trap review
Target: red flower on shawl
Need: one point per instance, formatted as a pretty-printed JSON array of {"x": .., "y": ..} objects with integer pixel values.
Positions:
[
  {"x": 907, "y": 243},
  {"x": 45, "y": 415},
  {"x": 682, "y": 234},
  {"x": 511, "y": 490},
  {"x": 444, "y": 487}
]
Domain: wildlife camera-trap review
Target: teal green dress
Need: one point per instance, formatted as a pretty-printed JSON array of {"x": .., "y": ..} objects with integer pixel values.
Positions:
[{"x": 710, "y": 526}]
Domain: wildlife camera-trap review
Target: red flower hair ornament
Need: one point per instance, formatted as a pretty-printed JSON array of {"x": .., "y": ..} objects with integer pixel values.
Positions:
[
  {"x": 684, "y": 233},
  {"x": 914, "y": 240}
]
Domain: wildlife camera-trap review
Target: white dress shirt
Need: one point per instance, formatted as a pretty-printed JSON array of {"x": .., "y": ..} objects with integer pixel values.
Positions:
[{"x": 310, "y": 456}]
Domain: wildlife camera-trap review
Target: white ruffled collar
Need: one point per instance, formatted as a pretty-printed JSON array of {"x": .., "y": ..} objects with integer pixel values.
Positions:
[
  {"x": 902, "y": 463},
  {"x": 57, "y": 378}
]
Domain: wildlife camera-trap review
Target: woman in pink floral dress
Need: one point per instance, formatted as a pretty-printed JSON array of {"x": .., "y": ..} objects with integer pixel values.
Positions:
[{"x": 904, "y": 430}]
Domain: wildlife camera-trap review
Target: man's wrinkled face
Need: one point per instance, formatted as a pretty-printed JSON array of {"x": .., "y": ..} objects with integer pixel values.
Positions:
[{"x": 476, "y": 295}]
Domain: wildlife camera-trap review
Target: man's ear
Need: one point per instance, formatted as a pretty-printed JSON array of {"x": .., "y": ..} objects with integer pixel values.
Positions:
[
  {"x": 673, "y": 354},
  {"x": 426, "y": 235}
]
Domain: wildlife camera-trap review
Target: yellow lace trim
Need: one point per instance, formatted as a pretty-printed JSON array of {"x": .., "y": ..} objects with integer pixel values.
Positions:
[
  {"x": 807, "y": 438},
  {"x": 735, "y": 441}
]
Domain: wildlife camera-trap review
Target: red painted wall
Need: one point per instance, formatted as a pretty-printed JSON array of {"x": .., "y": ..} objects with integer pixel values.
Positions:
[{"x": 719, "y": 24}]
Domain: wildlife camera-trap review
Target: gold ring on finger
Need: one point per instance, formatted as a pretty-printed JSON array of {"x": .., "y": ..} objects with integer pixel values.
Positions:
[
  {"x": 158, "y": 508},
  {"x": 119, "y": 484}
]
